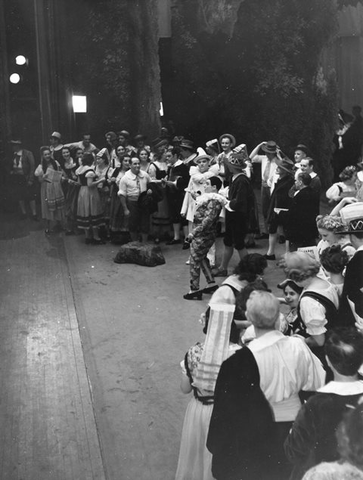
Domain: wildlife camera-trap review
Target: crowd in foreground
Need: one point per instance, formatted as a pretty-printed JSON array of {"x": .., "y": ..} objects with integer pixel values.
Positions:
[{"x": 275, "y": 377}]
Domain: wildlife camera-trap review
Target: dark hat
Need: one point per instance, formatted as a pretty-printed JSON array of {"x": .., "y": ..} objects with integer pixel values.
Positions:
[
  {"x": 269, "y": 147},
  {"x": 286, "y": 164},
  {"x": 188, "y": 144},
  {"x": 139, "y": 136},
  {"x": 177, "y": 140},
  {"x": 231, "y": 137},
  {"x": 16, "y": 141},
  {"x": 291, "y": 283},
  {"x": 352, "y": 216}
]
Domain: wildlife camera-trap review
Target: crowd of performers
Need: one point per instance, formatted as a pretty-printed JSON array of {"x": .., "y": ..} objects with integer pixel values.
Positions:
[{"x": 276, "y": 384}]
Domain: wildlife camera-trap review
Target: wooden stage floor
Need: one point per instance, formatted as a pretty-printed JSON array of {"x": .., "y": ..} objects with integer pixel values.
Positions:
[{"x": 47, "y": 424}]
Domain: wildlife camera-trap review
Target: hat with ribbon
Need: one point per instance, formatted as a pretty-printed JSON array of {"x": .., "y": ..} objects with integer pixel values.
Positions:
[
  {"x": 112, "y": 135},
  {"x": 352, "y": 216},
  {"x": 231, "y": 138},
  {"x": 269, "y": 147},
  {"x": 202, "y": 157}
]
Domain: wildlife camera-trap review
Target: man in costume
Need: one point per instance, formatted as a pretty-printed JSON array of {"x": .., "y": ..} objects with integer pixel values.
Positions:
[{"x": 208, "y": 209}]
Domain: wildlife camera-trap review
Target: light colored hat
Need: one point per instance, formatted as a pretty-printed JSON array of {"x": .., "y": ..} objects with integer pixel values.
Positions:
[
  {"x": 103, "y": 153},
  {"x": 17, "y": 141},
  {"x": 352, "y": 216},
  {"x": 202, "y": 157},
  {"x": 56, "y": 135},
  {"x": 231, "y": 137},
  {"x": 239, "y": 158}
]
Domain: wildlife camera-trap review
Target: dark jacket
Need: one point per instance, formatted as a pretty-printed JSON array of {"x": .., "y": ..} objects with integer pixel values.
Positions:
[
  {"x": 280, "y": 196},
  {"x": 28, "y": 164},
  {"x": 300, "y": 221},
  {"x": 353, "y": 289},
  {"x": 241, "y": 425}
]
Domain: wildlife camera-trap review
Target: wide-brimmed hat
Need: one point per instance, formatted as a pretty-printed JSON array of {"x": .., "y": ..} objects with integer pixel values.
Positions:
[
  {"x": 56, "y": 135},
  {"x": 112, "y": 135},
  {"x": 231, "y": 137},
  {"x": 270, "y": 147},
  {"x": 286, "y": 164},
  {"x": 188, "y": 144},
  {"x": 16, "y": 141},
  {"x": 352, "y": 216},
  {"x": 288, "y": 281},
  {"x": 239, "y": 157}
]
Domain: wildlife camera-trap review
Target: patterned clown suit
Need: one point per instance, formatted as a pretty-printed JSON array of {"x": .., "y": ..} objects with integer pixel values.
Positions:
[{"x": 207, "y": 212}]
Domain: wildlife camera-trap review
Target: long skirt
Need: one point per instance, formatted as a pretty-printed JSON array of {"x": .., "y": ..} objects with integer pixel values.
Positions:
[
  {"x": 195, "y": 461},
  {"x": 72, "y": 201},
  {"x": 89, "y": 209},
  {"x": 52, "y": 201},
  {"x": 118, "y": 221}
]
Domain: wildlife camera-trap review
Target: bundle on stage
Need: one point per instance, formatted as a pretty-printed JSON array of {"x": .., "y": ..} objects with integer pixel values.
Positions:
[{"x": 140, "y": 254}]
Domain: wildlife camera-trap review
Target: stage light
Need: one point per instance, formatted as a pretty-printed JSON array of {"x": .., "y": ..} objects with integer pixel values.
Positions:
[
  {"x": 14, "y": 78},
  {"x": 21, "y": 60},
  {"x": 79, "y": 103}
]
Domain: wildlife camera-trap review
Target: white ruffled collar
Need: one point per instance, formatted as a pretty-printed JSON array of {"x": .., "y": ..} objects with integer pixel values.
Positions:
[{"x": 206, "y": 197}]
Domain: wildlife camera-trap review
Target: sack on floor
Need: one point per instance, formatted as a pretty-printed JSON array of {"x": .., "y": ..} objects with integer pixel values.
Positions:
[{"x": 140, "y": 254}]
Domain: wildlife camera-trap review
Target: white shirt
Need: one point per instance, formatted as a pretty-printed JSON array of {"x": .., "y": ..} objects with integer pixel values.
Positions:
[
  {"x": 286, "y": 366},
  {"x": 263, "y": 160},
  {"x": 132, "y": 185}
]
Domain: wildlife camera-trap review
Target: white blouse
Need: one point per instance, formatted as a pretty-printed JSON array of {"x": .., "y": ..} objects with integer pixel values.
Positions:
[{"x": 286, "y": 366}]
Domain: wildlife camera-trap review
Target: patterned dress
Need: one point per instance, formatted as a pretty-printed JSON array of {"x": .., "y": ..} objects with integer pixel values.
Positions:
[
  {"x": 51, "y": 193},
  {"x": 89, "y": 209}
]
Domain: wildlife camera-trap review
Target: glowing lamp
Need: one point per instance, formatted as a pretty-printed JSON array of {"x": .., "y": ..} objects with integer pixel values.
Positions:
[
  {"x": 79, "y": 103},
  {"x": 14, "y": 78},
  {"x": 21, "y": 60}
]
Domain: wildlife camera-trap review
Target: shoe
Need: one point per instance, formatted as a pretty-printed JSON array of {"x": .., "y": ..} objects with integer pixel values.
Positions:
[
  {"x": 35, "y": 218},
  {"x": 186, "y": 245},
  {"x": 220, "y": 273},
  {"x": 270, "y": 257},
  {"x": 173, "y": 242},
  {"x": 210, "y": 289},
  {"x": 47, "y": 232},
  {"x": 69, "y": 232},
  {"x": 262, "y": 236},
  {"x": 187, "y": 262},
  {"x": 156, "y": 241},
  {"x": 197, "y": 295},
  {"x": 282, "y": 239}
]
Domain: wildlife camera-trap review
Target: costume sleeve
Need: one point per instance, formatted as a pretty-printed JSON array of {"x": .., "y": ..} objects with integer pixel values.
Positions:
[
  {"x": 334, "y": 192},
  {"x": 211, "y": 213},
  {"x": 240, "y": 202},
  {"x": 313, "y": 315},
  {"x": 39, "y": 171},
  {"x": 90, "y": 174}
]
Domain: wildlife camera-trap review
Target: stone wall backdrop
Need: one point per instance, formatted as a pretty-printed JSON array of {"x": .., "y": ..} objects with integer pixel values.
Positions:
[{"x": 254, "y": 69}]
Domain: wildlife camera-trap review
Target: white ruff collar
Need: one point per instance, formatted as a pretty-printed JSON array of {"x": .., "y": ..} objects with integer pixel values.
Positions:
[{"x": 205, "y": 197}]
